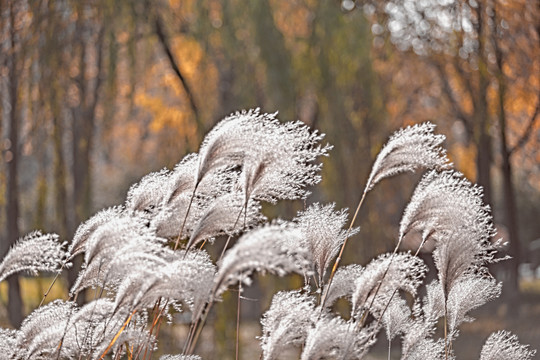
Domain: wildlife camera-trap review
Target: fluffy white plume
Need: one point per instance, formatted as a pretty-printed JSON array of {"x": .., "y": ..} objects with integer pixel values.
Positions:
[
  {"x": 503, "y": 345},
  {"x": 148, "y": 194},
  {"x": 333, "y": 338},
  {"x": 286, "y": 322},
  {"x": 42, "y": 330},
  {"x": 343, "y": 283},
  {"x": 272, "y": 248},
  {"x": 323, "y": 232},
  {"x": 188, "y": 277},
  {"x": 398, "y": 272},
  {"x": 468, "y": 294},
  {"x": 408, "y": 149},
  {"x": 397, "y": 317},
  {"x": 8, "y": 342},
  {"x": 86, "y": 229},
  {"x": 276, "y": 158},
  {"x": 91, "y": 329},
  {"x": 226, "y": 216},
  {"x": 427, "y": 349},
  {"x": 179, "y": 197},
  {"x": 446, "y": 202},
  {"x": 34, "y": 253}
]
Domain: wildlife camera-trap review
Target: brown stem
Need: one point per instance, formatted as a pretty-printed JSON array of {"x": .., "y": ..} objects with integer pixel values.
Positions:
[
  {"x": 230, "y": 236},
  {"x": 50, "y": 287},
  {"x": 117, "y": 335},
  {"x": 238, "y": 320},
  {"x": 185, "y": 219}
]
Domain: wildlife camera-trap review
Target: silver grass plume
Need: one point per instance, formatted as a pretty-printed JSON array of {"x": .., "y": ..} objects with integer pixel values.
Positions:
[
  {"x": 397, "y": 317},
  {"x": 273, "y": 248},
  {"x": 148, "y": 194},
  {"x": 503, "y": 345},
  {"x": 8, "y": 341},
  {"x": 399, "y": 272},
  {"x": 179, "y": 194},
  {"x": 286, "y": 322},
  {"x": 446, "y": 202},
  {"x": 188, "y": 277},
  {"x": 280, "y": 165},
  {"x": 42, "y": 330},
  {"x": 86, "y": 229},
  {"x": 34, "y": 253},
  {"x": 113, "y": 235},
  {"x": 456, "y": 256},
  {"x": 343, "y": 284},
  {"x": 408, "y": 149},
  {"x": 226, "y": 144},
  {"x": 223, "y": 218},
  {"x": 180, "y": 357},
  {"x": 91, "y": 328},
  {"x": 139, "y": 253},
  {"x": 467, "y": 294},
  {"x": 323, "y": 232},
  {"x": 276, "y": 157},
  {"x": 103, "y": 245},
  {"x": 426, "y": 312},
  {"x": 333, "y": 338},
  {"x": 427, "y": 349}
]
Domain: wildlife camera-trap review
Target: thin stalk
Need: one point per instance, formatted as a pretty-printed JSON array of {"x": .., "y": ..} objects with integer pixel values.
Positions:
[
  {"x": 195, "y": 338},
  {"x": 185, "y": 218},
  {"x": 230, "y": 236},
  {"x": 118, "y": 334},
  {"x": 445, "y": 332},
  {"x": 336, "y": 264},
  {"x": 157, "y": 332},
  {"x": 52, "y": 283},
  {"x": 238, "y": 320},
  {"x": 380, "y": 282},
  {"x": 395, "y": 290},
  {"x": 389, "y": 348},
  {"x": 156, "y": 317}
]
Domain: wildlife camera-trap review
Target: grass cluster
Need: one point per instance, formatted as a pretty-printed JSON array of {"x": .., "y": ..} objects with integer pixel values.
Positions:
[{"x": 147, "y": 259}]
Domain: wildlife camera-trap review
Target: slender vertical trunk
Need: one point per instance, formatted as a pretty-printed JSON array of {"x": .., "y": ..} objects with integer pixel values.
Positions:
[
  {"x": 14, "y": 294},
  {"x": 481, "y": 116},
  {"x": 511, "y": 288}
]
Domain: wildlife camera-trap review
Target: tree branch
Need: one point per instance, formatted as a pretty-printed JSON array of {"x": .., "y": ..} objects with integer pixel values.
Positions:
[
  {"x": 447, "y": 88},
  {"x": 160, "y": 32},
  {"x": 528, "y": 131}
]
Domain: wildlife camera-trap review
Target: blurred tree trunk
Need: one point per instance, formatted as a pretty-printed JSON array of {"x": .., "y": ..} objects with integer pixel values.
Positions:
[
  {"x": 84, "y": 116},
  {"x": 277, "y": 59},
  {"x": 12, "y": 189}
]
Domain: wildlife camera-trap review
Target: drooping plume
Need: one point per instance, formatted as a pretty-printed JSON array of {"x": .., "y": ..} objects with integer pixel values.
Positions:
[
  {"x": 333, "y": 338},
  {"x": 343, "y": 284},
  {"x": 323, "y": 232},
  {"x": 42, "y": 330},
  {"x": 148, "y": 194},
  {"x": 272, "y": 248},
  {"x": 276, "y": 158},
  {"x": 467, "y": 294},
  {"x": 407, "y": 150},
  {"x": 400, "y": 272},
  {"x": 226, "y": 216},
  {"x": 86, "y": 229},
  {"x": 286, "y": 322},
  {"x": 34, "y": 253},
  {"x": 444, "y": 203},
  {"x": 503, "y": 345}
]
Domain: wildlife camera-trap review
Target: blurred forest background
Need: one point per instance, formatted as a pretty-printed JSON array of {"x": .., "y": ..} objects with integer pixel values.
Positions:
[{"x": 97, "y": 93}]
